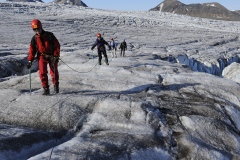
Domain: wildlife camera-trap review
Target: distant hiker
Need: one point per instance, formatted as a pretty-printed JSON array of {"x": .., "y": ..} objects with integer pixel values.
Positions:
[
  {"x": 100, "y": 43},
  {"x": 47, "y": 48},
  {"x": 114, "y": 47},
  {"x": 123, "y": 47}
]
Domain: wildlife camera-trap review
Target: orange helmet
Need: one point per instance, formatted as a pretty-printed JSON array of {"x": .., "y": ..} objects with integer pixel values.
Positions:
[
  {"x": 98, "y": 35},
  {"x": 36, "y": 24}
]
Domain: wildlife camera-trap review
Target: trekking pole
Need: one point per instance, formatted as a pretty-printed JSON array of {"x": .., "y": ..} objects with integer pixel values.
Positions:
[
  {"x": 29, "y": 70},
  {"x": 92, "y": 56}
]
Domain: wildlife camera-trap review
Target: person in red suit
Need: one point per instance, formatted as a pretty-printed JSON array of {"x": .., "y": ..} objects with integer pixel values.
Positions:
[{"x": 46, "y": 48}]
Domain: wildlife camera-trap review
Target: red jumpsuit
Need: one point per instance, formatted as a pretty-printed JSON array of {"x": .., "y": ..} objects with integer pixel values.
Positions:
[{"x": 45, "y": 46}]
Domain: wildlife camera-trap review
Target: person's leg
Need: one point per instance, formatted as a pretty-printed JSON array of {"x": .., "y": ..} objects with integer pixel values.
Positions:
[
  {"x": 55, "y": 76},
  {"x": 115, "y": 51},
  {"x": 106, "y": 58},
  {"x": 99, "y": 57},
  {"x": 112, "y": 53},
  {"x": 42, "y": 64}
]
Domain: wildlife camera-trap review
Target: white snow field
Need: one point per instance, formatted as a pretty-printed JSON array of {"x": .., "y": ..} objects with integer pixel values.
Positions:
[{"x": 166, "y": 99}]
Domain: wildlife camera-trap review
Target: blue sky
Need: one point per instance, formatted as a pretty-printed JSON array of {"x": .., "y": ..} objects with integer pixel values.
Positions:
[{"x": 148, "y": 4}]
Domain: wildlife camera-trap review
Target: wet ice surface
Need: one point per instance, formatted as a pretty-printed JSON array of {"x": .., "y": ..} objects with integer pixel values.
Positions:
[{"x": 155, "y": 103}]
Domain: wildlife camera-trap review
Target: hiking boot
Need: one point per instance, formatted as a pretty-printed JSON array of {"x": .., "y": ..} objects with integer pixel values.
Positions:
[
  {"x": 106, "y": 61},
  {"x": 46, "y": 91},
  {"x": 56, "y": 88}
]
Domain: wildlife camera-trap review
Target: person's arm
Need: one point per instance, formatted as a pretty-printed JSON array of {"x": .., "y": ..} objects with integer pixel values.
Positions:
[
  {"x": 120, "y": 47},
  {"x": 105, "y": 42},
  {"x": 32, "y": 50},
  {"x": 94, "y": 45}
]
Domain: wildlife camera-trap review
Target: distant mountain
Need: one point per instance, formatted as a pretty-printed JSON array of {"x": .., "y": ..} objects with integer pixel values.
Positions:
[
  {"x": 24, "y": 1},
  {"x": 205, "y": 10},
  {"x": 71, "y": 2}
]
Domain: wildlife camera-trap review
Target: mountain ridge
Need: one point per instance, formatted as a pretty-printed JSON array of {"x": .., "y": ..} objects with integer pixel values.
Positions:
[
  {"x": 71, "y": 2},
  {"x": 212, "y": 10},
  {"x": 24, "y": 1}
]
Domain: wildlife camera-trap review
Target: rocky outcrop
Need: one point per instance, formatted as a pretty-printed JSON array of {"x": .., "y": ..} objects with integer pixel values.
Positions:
[
  {"x": 71, "y": 2},
  {"x": 232, "y": 72},
  {"x": 205, "y": 10}
]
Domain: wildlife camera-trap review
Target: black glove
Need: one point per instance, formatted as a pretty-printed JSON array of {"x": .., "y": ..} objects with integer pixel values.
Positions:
[
  {"x": 55, "y": 59},
  {"x": 92, "y": 48},
  {"x": 29, "y": 65}
]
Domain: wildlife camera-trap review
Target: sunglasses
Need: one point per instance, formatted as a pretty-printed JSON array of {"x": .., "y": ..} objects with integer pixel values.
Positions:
[{"x": 36, "y": 29}]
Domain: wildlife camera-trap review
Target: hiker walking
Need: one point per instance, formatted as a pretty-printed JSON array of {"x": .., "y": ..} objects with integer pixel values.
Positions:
[
  {"x": 47, "y": 50},
  {"x": 100, "y": 43},
  {"x": 123, "y": 47},
  {"x": 114, "y": 47}
]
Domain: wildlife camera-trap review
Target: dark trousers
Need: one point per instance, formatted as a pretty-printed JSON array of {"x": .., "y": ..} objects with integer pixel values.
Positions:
[
  {"x": 122, "y": 52},
  {"x": 100, "y": 54}
]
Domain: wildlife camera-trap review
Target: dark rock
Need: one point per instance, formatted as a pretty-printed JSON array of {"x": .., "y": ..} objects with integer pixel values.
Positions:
[{"x": 71, "y": 2}]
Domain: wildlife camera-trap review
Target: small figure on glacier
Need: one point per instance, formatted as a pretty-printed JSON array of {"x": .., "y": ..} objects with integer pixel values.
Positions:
[
  {"x": 47, "y": 48},
  {"x": 123, "y": 47},
  {"x": 114, "y": 48},
  {"x": 100, "y": 43}
]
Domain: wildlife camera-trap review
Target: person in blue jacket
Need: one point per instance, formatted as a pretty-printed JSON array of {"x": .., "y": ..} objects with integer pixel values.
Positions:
[
  {"x": 100, "y": 43},
  {"x": 114, "y": 48}
]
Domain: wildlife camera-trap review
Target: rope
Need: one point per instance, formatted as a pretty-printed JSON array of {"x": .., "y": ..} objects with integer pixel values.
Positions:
[
  {"x": 58, "y": 100},
  {"x": 58, "y": 128},
  {"x": 76, "y": 70},
  {"x": 59, "y": 107},
  {"x": 92, "y": 56},
  {"x": 58, "y": 124}
]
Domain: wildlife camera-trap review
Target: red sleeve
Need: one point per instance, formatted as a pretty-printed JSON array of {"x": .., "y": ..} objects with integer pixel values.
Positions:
[{"x": 31, "y": 52}]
